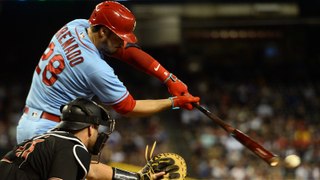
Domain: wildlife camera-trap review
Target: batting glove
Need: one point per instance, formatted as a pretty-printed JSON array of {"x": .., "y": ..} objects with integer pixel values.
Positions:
[
  {"x": 175, "y": 86},
  {"x": 184, "y": 101}
]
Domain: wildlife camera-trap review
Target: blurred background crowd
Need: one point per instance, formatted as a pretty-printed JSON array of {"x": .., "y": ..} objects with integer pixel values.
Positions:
[{"x": 255, "y": 65}]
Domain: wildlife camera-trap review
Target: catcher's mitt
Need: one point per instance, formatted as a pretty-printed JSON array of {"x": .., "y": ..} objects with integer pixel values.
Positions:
[{"x": 172, "y": 164}]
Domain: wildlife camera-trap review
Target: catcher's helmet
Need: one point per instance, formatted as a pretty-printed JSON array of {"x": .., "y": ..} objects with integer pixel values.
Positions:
[
  {"x": 81, "y": 113},
  {"x": 117, "y": 18}
]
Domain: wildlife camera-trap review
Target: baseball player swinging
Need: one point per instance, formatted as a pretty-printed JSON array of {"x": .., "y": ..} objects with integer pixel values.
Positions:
[{"x": 75, "y": 64}]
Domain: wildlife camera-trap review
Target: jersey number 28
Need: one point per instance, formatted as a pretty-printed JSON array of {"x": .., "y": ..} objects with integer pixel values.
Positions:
[{"x": 55, "y": 66}]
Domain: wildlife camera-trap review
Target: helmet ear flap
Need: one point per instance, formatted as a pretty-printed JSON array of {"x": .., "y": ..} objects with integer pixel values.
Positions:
[
  {"x": 105, "y": 117},
  {"x": 104, "y": 114}
]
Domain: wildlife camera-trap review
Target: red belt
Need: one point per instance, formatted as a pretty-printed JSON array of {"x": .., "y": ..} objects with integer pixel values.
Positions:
[{"x": 45, "y": 115}]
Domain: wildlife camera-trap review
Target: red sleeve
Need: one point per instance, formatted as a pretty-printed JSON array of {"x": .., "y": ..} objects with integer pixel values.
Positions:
[
  {"x": 125, "y": 105},
  {"x": 142, "y": 61}
]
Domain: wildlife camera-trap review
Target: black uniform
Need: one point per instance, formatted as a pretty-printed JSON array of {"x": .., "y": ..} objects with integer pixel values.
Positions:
[{"x": 55, "y": 154}]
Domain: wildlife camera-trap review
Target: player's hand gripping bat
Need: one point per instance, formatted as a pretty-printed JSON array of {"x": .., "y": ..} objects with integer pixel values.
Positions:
[{"x": 252, "y": 145}]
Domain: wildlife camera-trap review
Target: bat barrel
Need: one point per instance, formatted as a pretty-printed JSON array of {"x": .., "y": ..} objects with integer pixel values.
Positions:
[
  {"x": 253, "y": 146},
  {"x": 256, "y": 148}
]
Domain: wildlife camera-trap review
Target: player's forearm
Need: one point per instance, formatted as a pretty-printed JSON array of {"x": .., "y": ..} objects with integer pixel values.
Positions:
[
  {"x": 144, "y": 62},
  {"x": 149, "y": 107},
  {"x": 104, "y": 172},
  {"x": 99, "y": 172}
]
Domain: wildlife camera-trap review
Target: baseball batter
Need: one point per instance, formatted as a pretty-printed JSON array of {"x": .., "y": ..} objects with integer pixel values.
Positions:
[{"x": 75, "y": 64}]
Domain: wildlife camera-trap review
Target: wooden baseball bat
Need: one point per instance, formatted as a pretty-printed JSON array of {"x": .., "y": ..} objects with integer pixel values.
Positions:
[{"x": 252, "y": 145}]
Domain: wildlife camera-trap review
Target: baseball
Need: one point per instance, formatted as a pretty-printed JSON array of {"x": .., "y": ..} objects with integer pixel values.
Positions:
[{"x": 292, "y": 161}]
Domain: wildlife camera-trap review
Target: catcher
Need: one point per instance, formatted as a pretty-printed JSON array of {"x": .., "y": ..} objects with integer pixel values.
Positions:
[{"x": 65, "y": 152}]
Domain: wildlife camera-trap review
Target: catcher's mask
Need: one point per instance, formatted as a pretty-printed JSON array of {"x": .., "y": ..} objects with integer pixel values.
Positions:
[{"x": 82, "y": 113}]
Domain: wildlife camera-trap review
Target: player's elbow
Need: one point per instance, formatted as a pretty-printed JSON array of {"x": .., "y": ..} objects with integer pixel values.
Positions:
[{"x": 125, "y": 106}]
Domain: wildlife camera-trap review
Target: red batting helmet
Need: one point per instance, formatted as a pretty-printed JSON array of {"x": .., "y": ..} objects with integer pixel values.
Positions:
[{"x": 117, "y": 18}]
